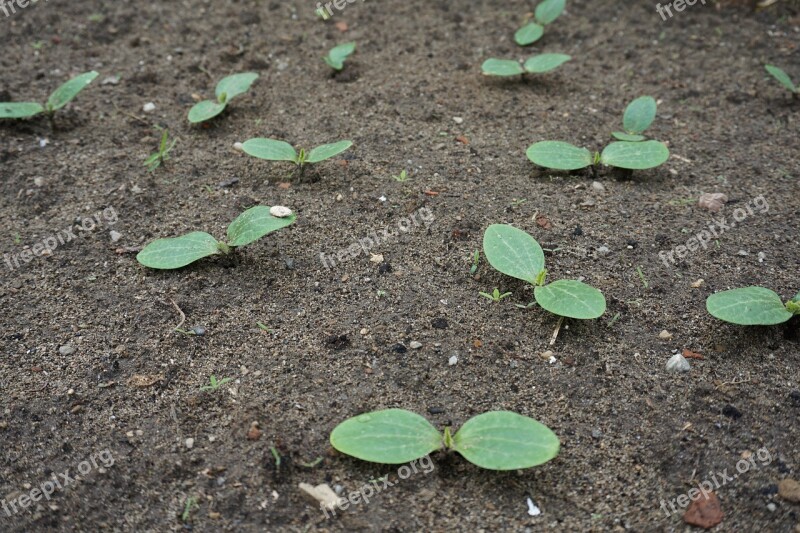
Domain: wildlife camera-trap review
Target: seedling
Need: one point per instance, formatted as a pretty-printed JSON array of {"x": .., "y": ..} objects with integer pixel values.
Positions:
[
  {"x": 276, "y": 456},
  {"x": 227, "y": 89},
  {"x": 517, "y": 254},
  {"x": 191, "y": 503},
  {"x": 533, "y": 65},
  {"x": 164, "y": 148},
  {"x": 495, "y": 296},
  {"x": 339, "y": 54},
  {"x": 639, "y": 115},
  {"x": 546, "y": 12},
  {"x": 752, "y": 306},
  {"x": 214, "y": 385},
  {"x": 476, "y": 257},
  {"x": 61, "y": 97},
  {"x": 497, "y": 440},
  {"x": 402, "y": 177},
  {"x": 783, "y": 78},
  {"x": 273, "y": 150},
  {"x": 256, "y": 222}
]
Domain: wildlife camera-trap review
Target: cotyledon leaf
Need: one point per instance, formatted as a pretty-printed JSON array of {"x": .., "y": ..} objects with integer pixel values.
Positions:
[
  {"x": 635, "y": 155},
  {"x": 326, "y": 151},
  {"x": 20, "y": 109},
  {"x": 69, "y": 90},
  {"x": 748, "y": 306},
  {"x": 571, "y": 299},
  {"x": 270, "y": 149},
  {"x": 255, "y": 223},
  {"x": 559, "y": 155},
  {"x": 177, "y": 252},
  {"x": 513, "y": 252}
]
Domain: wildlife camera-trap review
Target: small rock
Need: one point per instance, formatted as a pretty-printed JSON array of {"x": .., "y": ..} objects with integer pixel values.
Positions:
[
  {"x": 597, "y": 186},
  {"x": 339, "y": 197},
  {"x": 323, "y": 494},
  {"x": 743, "y": 253},
  {"x": 38, "y": 181},
  {"x": 458, "y": 120},
  {"x": 545, "y": 356},
  {"x": 364, "y": 331},
  {"x": 238, "y": 147},
  {"x": 453, "y": 360},
  {"x": 771, "y": 507},
  {"x": 415, "y": 345},
  {"x": 596, "y": 433},
  {"x": 705, "y": 511},
  {"x": 665, "y": 335},
  {"x": 435, "y": 410},
  {"x": 149, "y": 107},
  {"x": 789, "y": 490},
  {"x": 279, "y": 211},
  {"x": 699, "y": 283},
  {"x": 115, "y": 236},
  {"x": 67, "y": 349},
  {"x": 761, "y": 257},
  {"x": 713, "y": 201},
  {"x": 678, "y": 363},
  {"x": 190, "y": 443},
  {"x": 375, "y": 258},
  {"x": 603, "y": 250},
  {"x": 110, "y": 80},
  {"x": 200, "y": 331},
  {"x": 253, "y": 433},
  {"x": 533, "y": 510}
]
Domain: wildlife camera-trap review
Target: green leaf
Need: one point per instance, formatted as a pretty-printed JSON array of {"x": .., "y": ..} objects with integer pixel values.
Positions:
[
  {"x": 501, "y": 67},
  {"x": 529, "y": 34},
  {"x": 234, "y": 85},
  {"x": 782, "y": 77},
  {"x": 559, "y": 155},
  {"x": 326, "y": 151},
  {"x": 502, "y": 440},
  {"x": 639, "y": 114},
  {"x": 254, "y": 224},
  {"x": 205, "y": 110},
  {"x": 391, "y": 436},
  {"x": 513, "y": 252},
  {"x": 20, "y": 109},
  {"x": 338, "y": 54},
  {"x": 545, "y": 62},
  {"x": 549, "y": 10},
  {"x": 70, "y": 90},
  {"x": 628, "y": 137},
  {"x": 749, "y": 306},
  {"x": 572, "y": 299},
  {"x": 270, "y": 149},
  {"x": 635, "y": 155},
  {"x": 166, "y": 254}
]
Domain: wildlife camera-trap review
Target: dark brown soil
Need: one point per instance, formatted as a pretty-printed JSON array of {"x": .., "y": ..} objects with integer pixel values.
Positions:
[{"x": 632, "y": 434}]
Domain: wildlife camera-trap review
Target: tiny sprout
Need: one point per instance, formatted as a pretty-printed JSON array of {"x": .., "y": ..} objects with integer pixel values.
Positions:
[
  {"x": 273, "y": 150},
  {"x": 157, "y": 159},
  {"x": 495, "y": 296},
  {"x": 534, "y": 65},
  {"x": 214, "y": 385},
  {"x": 188, "y": 506},
  {"x": 546, "y": 12},
  {"x": 228, "y": 88},
  {"x": 402, "y": 177},
  {"x": 339, "y": 54},
  {"x": 276, "y": 456},
  {"x": 61, "y": 97},
  {"x": 476, "y": 257},
  {"x": 783, "y": 79},
  {"x": 752, "y": 306}
]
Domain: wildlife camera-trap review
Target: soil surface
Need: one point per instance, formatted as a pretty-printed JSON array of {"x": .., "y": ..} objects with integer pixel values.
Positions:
[{"x": 93, "y": 373}]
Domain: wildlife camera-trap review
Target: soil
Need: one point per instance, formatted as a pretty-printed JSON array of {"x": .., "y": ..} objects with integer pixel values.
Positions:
[{"x": 91, "y": 362}]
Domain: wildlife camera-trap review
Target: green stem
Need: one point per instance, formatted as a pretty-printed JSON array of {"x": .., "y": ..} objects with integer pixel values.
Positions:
[
  {"x": 448, "y": 439},
  {"x": 224, "y": 248}
]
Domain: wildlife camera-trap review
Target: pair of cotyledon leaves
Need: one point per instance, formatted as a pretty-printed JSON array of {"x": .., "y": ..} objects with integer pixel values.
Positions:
[
  {"x": 752, "y": 306},
  {"x": 534, "y": 65},
  {"x": 338, "y": 54},
  {"x": 497, "y": 440},
  {"x": 57, "y": 100},
  {"x": 515, "y": 253},
  {"x": 274, "y": 150},
  {"x": 227, "y": 89},
  {"x": 545, "y": 13},
  {"x": 167, "y": 254}
]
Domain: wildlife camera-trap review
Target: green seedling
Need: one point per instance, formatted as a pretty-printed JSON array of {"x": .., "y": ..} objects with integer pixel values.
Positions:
[
  {"x": 402, "y": 177},
  {"x": 476, "y": 257},
  {"x": 256, "y": 222},
  {"x": 273, "y": 150},
  {"x": 276, "y": 456},
  {"x": 164, "y": 148},
  {"x": 497, "y": 440},
  {"x": 227, "y": 89},
  {"x": 339, "y": 54},
  {"x": 629, "y": 155},
  {"x": 191, "y": 503},
  {"x": 495, "y": 296},
  {"x": 546, "y": 12},
  {"x": 783, "y": 78},
  {"x": 515, "y": 253},
  {"x": 639, "y": 115},
  {"x": 61, "y": 97},
  {"x": 533, "y": 65},
  {"x": 214, "y": 385},
  {"x": 752, "y": 306}
]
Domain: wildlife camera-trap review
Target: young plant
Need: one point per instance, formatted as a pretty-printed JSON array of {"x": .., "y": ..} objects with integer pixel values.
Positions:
[
  {"x": 256, "y": 222},
  {"x": 227, "y": 89},
  {"x": 752, "y": 306},
  {"x": 273, "y": 150},
  {"x": 476, "y": 258},
  {"x": 164, "y": 148},
  {"x": 546, "y": 12},
  {"x": 783, "y": 78},
  {"x": 214, "y": 384},
  {"x": 339, "y": 54},
  {"x": 515, "y": 253},
  {"x": 61, "y": 97},
  {"x": 497, "y": 440},
  {"x": 639, "y": 115},
  {"x": 534, "y": 65},
  {"x": 495, "y": 296},
  {"x": 402, "y": 177}
]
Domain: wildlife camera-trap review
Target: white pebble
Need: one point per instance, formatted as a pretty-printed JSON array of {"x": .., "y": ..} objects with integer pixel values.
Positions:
[
  {"x": 279, "y": 211},
  {"x": 238, "y": 147},
  {"x": 678, "y": 363},
  {"x": 458, "y": 120},
  {"x": 149, "y": 107},
  {"x": 190, "y": 443},
  {"x": 115, "y": 236},
  {"x": 453, "y": 360},
  {"x": 415, "y": 345}
]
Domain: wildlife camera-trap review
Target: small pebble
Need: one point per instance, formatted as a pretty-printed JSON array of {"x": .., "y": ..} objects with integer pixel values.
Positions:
[
  {"x": 699, "y": 283},
  {"x": 67, "y": 349},
  {"x": 238, "y": 147},
  {"x": 597, "y": 186},
  {"x": 761, "y": 257},
  {"x": 149, "y": 107},
  {"x": 190, "y": 443},
  {"x": 198, "y": 330},
  {"x": 665, "y": 335},
  {"x": 603, "y": 250},
  {"x": 453, "y": 360},
  {"x": 279, "y": 211},
  {"x": 678, "y": 363},
  {"x": 458, "y": 120},
  {"x": 115, "y": 236},
  {"x": 364, "y": 331},
  {"x": 546, "y": 355},
  {"x": 415, "y": 345},
  {"x": 771, "y": 507},
  {"x": 743, "y": 253}
]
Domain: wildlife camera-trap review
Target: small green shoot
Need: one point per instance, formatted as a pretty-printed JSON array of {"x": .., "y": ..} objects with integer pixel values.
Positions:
[
  {"x": 256, "y": 222},
  {"x": 164, "y": 148},
  {"x": 273, "y": 150},
  {"x": 188, "y": 506},
  {"x": 339, "y": 54},
  {"x": 515, "y": 253},
  {"x": 313, "y": 463},
  {"x": 546, "y": 12},
  {"x": 227, "y": 89},
  {"x": 402, "y": 177},
  {"x": 476, "y": 258},
  {"x": 276, "y": 456},
  {"x": 534, "y": 65},
  {"x": 639, "y": 115},
  {"x": 214, "y": 385},
  {"x": 752, "y": 306},
  {"x": 495, "y": 296},
  {"x": 783, "y": 79},
  {"x": 641, "y": 277},
  {"x": 264, "y": 327},
  {"x": 61, "y": 97},
  {"x": 497, "y": 440},
  {"x": 17, "y": 238}
]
